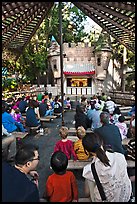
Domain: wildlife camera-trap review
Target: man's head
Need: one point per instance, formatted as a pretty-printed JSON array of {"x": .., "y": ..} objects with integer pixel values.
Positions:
[
  {"x": 27, "y": 157},
  {"x": 104, "y": 117}
]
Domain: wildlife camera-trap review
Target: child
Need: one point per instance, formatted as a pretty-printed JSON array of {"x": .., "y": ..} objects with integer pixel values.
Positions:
[
  {"x": 65, "y": 145},
  {"x": 122, "y": 126},
  {"x": 68, "y": 104},
  {"x": 61, "y": 186},
  {"x": 20, "y": 122},
  {"x": 78, "y": 147}
]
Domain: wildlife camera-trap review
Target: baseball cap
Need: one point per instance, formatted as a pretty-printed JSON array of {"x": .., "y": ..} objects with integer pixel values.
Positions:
[{"x": 97, "y": 106}]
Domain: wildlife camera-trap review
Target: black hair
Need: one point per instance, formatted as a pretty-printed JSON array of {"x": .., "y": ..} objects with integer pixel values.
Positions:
[
  {"x": 25, "y": 153},
  {"x": 121, "y": 119},
  {"x": 59, "y": 162},
  {"x": 92, "y": 143},
  {"x": 33, "y": 103},
  {"x": 104, "y": 117},
  {"x": 117, "y": 111}
]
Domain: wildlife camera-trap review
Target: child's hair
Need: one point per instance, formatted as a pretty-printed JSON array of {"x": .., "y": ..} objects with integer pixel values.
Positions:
[
  {"x": 59, "y": 162},
  {"x": 63, "y": 132},
  {"x": 121, "y": 119},
  {"x": 17, "y": 110},
  {"x": 92, "y": 143},
  {"x": 68, "y": 98},
  {"x": 80, "y": 132}
]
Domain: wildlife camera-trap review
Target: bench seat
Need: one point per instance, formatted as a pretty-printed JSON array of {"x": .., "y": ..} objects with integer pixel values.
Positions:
[
  {"x": 125, "y": 141},
  {"x": 73, "y": 130},
  {"x": 51, "y": 116},
  {"x": 78, "y": 164},
  {"x": 45, "y": 119},
  {"x": 20, "y": 134}
]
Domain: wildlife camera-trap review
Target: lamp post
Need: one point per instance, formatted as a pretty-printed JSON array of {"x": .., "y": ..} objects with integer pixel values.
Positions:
[{"x": 61, "y": 59}]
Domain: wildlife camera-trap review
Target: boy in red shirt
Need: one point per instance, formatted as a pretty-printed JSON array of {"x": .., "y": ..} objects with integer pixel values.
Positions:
[{"x": 61, "y": 186}]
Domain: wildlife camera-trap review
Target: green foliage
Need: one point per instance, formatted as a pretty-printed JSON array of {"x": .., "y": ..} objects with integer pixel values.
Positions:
[
  {"x": 9, "y": 84},
  {"x": 72, "y": 23}
]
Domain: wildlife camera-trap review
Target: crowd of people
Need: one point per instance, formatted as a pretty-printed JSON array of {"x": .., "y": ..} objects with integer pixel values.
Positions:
[{"x": 103, "y": 147}]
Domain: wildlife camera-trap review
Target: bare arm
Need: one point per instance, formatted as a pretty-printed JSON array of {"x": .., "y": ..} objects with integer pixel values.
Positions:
[{"x": 89, "y": 189}]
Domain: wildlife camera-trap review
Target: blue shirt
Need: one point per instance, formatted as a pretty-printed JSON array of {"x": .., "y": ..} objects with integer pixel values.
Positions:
[
  {"x": 31, "y": 120},
  {"x": 22, "y": 106},
  {"x": 16, "y": 186},
  {"x": 8, "y": 122}
]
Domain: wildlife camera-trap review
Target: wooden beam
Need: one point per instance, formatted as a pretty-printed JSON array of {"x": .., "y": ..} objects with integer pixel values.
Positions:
[
  {"x": 91, "y": 15},
  {"x": 98, "y": 5},
  {"x": 35, "y": 29},
  {"x": 23, "y": 16},
  {"x": 121, "y": 5},
  {"x": 23, "y": 26},
  {"x": 104, "y": 16}
]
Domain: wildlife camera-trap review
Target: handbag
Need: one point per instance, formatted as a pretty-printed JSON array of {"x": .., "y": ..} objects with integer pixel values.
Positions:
[{"x": 99, "y": 185}]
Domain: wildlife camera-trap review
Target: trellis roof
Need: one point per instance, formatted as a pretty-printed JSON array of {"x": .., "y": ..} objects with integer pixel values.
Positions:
[{"x": 20, "y": 20}]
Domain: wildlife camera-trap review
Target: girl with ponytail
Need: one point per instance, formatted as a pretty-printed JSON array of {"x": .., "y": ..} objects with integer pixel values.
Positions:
[{"x": 111, "y": 168}]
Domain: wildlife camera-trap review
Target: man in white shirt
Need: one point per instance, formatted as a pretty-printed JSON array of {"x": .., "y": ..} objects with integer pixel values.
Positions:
[{"x": 110, "y": 105}]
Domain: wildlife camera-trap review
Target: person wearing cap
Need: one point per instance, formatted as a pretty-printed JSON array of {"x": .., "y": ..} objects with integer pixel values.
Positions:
[
  {"x": 95, "y": 117},
  {"x": 110, "y": 105}
]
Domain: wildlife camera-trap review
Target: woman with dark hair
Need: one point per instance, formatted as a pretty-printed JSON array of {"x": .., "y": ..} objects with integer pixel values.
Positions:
[
  {"x": 31, "y": 119},
  {"x": 61, "y": 186},
  {"x": 111, "y": 168},
  {"x": 81, "y": 119}
]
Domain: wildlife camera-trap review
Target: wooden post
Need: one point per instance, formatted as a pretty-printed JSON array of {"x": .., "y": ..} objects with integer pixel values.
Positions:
[{"x": 61, "y": 59}]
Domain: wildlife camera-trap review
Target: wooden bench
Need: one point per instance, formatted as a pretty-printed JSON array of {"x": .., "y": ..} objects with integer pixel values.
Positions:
[
  {"x": 58, "y": 114},
  {"x": 125, "y": 141},
  {"x": 127, "y": 117},
  {"x": 73, "y": 130},
  {"x": 51, "y": 116},
  {"x": 125, "y": 108},
  {"x": 45, "y": 119},
  {"x": 32, "y": 129},
  {"x": 84, "y": 200},
  {"x": 78, "y": 164},
  {"x": 130, "y": 163},
  {"x": 20, "y": 134},
  {"x": 72, "y": 138}
]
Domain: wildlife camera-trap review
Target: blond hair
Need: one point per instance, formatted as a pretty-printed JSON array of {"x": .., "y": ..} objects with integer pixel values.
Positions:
[
  {"x": 63, "y": 132},
  {"x": 81, "y": 132}
]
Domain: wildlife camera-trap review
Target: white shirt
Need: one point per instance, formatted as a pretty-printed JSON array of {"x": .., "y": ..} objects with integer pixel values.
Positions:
[
  {"x": 114, "y": 178},
  {"x": 123, "y": 129},
  {"x": 110, "y": 106}
]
